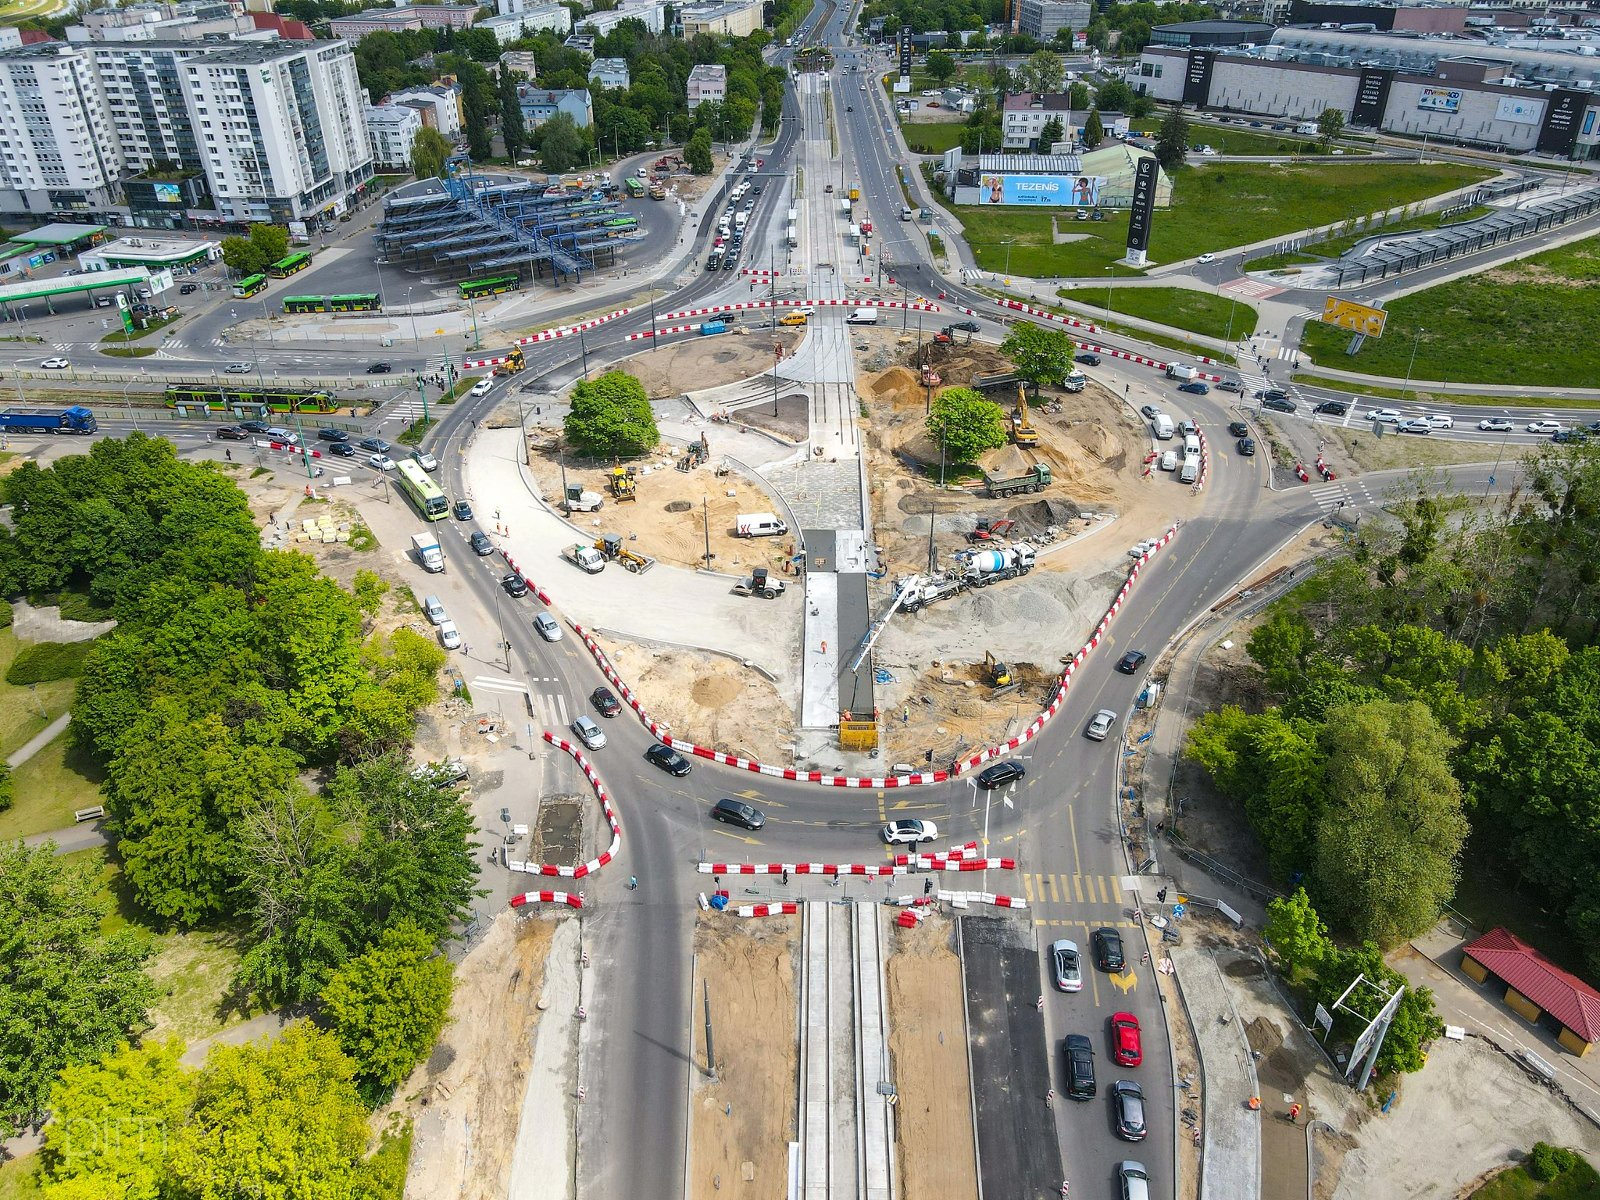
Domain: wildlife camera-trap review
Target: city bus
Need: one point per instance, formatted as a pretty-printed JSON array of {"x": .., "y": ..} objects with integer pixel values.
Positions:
[
  {"x": 635, "y": 188},
  {"x": 477, "y": 289},
  {"x": 421, "y": 490},
  {"x": 354, "y": 302},
  {"x": 305, "y": 304},
  {"x": 291, "y": 264},
  {"x": 249, "y": 286}
]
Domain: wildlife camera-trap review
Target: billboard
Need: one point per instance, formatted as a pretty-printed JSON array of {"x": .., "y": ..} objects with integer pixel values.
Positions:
[
  {"x": 1518, "y": 111},
  {"x": 1559, "y": 131},
  {"x": 1358, "y": 318},
  {"x": 1440, "y": 99},
  {"x": 167, "y": 193},
  {"x": 1372, "y": 96},
  {"x": 1197, "y": 77},
  {"x": 905, "y": 53},
  {"x": 1067, "y": 191},
  {"x": 1144, "y": 207}
]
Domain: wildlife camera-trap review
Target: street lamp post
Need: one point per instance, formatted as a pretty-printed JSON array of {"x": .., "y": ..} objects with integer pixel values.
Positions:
[
  {"x": 583, "y": 347},
  {"x": 415, "y": 340},
  {"x": 1108, "y": 295},
  {"x": 705, "y": 518},
  {"x": 1416, "y": 342}
]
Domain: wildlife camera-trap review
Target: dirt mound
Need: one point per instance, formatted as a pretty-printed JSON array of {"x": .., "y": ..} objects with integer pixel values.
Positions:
[
  {"x": 714, "y": 691},
  {"x": 898, "y": 385},
  {"x": 710, "y": 700},
  {"x": 1104, "y": 444},
  {"x": 1036, "y": 516}
]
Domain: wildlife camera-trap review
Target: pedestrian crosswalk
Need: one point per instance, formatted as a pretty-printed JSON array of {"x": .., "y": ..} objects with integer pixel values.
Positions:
[
  {"x": 1047, "y": 889},
  {"x": 547, "y": 708},
  {"x": 408, "y": 411},
  {"x": 1342, "y": 493}
]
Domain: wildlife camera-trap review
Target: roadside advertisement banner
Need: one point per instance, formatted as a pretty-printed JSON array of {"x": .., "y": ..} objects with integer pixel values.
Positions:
[
  {"x": 1440, "y": 99},
  {"x": 1067, "y": 191}
]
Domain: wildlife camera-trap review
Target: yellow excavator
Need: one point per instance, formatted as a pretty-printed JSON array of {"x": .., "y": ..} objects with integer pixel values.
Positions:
[
  {"x": 623, "y": 484},
  {"x": 1022, "y": 431},
  {"x": 998, "y": 675}
]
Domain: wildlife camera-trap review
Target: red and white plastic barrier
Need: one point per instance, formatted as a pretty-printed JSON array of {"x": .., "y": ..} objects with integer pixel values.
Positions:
[
  {"x": 544, "y": 596},
  {"x": 891, "y": 781},
  {"x": 783, "y": 908},
  {"x": 583, "y": 869},
  {"x": 570, "y": 899},
  {"x": 548, "y": 335},
  {"x": 998, "y": 901},
  {"x": 1205, "y": 464},
  {"x": 903, "y": 865},
  {"x": 1044, "y": 315}
]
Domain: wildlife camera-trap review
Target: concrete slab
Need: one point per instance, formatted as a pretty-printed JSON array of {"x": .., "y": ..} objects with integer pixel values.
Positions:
[
  {"x": 819, "y": 702},
  {"x": 541, "y": 1159}
]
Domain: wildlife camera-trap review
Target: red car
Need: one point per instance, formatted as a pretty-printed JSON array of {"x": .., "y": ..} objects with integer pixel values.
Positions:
[{"x": 1125, "y": 1047}]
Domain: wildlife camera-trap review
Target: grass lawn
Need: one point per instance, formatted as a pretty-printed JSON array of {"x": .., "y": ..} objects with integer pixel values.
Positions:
[
  {"x": 19, "y": 1178},
  {"x": 1182, "y": 308},
  {"x": 20, "y": 717},
  {"x": 1213, "y": 208},
  {"x": 48, "y": 787},
  {"x": 192, "y": 972},
  {"x": 932, "y": 137},
  {"x": 1225, "y": 140},
  {"x": 1580, "y": 1183},
  {"x": 1529, "y": 322},
  {"x": 1424, "y": 396}
]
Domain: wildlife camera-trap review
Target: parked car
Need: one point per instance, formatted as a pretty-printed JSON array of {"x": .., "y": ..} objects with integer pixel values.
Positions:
[
  {"x": 481, "y": 545},
  {"x": 341, "y": 450},
  {"x": 232, "y": 433},
  {"x": 1545, "y": 427},
  {"x": 668, "y": 759},
  {"x": 1107, "y": 944},
  {"x": 1495, "y": 425},
  {"x": 1079, "y": 1053},
  {"x": 332, "y": 435},
  {"x": 1194, "y": 387},
  {"x": 515, "y": 585},
  {"x": 737, "y": 812},
  {"x": 1126, "y": 1046},
  {"x": 1000, "y": 774},
  {"x": 1334, "y": 408},
  {"x": 187, "y": 288},
  {"x": 449, "y": 635},
  {"x": 1100, "y": 725},
  {"x": 375, "y": 445},
  {"x": 547, "y": 627},
  {"x": 1066, "y": 968},
  {"x": 1131, "y": 661},
  {"x": 1128, "y": 1099},
  {"x": 909, "y": 832},
  {"x": 1247, "y": 447},
  {"x": 461, "y": 510},
  {"x": 605, "y": 702},
  {"x": 589, "y": 733}
]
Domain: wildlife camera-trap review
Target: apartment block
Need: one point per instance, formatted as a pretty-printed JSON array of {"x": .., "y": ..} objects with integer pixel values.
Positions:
[
  {"x": 707, "y": 81},
  {"x": 393, "y": 127},
  {"x": 58, "y": 147}
]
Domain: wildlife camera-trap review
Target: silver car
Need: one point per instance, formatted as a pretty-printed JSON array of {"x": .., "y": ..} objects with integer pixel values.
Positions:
[
  {"x": 1100, "y": 725},
  {"x": 589, "y": 733},
  {"x": 546, "y": 626},
  {"x": 1065, "y": 966},
  {"x": 1135, "y": 1180}
]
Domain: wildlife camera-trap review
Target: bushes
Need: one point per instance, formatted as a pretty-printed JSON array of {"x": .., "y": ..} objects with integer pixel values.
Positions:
[
  {"x": 1545, "y": 1161},
  {"x": 42, "y": 662}
]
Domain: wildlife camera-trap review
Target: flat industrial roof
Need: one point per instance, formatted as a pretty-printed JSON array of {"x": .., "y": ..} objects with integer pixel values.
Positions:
[
  {"x": 151, "y": 249},
  {"x": 58, "y": 235},
  {"x": 94, "y": 281}
]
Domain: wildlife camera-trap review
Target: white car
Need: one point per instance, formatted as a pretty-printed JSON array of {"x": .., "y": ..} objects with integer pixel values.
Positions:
[
  {"x": 589, "y": 733},
  {"x": 1495, "y": 425},
  {"x": 239, "y": 368},
  {"x": 449, "y": 635},
  {"x": 55, "y": 364},
  {"x": 1100, "y": 725},
  {"x": 1545, "y": 426},
  {"x": 547, "y": 627},
  {"x": 912, "y": 832},
  {"x": 1142, "y": 549},
  {"x": 1205, "y": 258},
  {"x": 1387, "y": 416},
  {"x": 1440, "y": 421},
  {"x": 1066, "y": 968},
  {"x": 481, "y": 388},
  {"x": 381, "y": 462}
]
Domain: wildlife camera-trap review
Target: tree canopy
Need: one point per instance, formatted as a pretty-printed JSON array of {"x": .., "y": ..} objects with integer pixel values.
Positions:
[
  {"x": 610, "y": 416},
  {"x": 1172, "y": 140},
  {"x": 966, "y": 423},
  {"x": 388, "y": 1004},
  {"x": 252, "y": 255},
  {"x": 1042, "y": 357},
  {"x": 429, "y": 151}
]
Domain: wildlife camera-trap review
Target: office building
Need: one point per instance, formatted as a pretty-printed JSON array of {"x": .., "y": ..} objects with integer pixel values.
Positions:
[
  {"x": 609, "y": 72},
  {"x": 407, "y": 16},
  {"x": 735, "y": 18},
  {"x": 393, "y": 127},
  {"x": 520, "y": 62},
  {"x": 537, "y": 14},
  {"x": 60, "y": 147},
  {"x": 707, "y": 81},
  {"x": 1043, "y": 19}
]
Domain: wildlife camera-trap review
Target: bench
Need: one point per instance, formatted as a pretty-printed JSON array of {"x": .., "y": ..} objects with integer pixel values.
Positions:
[{"x": 93, "y": 813}]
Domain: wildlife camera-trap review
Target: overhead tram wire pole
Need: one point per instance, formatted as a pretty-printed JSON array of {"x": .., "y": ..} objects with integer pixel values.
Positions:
[{"x": 1416, "y": 342}]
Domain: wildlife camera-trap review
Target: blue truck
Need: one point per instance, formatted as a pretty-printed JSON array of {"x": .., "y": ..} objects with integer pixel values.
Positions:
[{"x": 76, "y": 419}]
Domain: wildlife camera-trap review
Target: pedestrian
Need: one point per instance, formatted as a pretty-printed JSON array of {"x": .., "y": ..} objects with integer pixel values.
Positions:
[
  {"x": 1294, "y": 1114},
  {"x": 633, "y": 883},
  {"x": 229, "y": 454},
  {"x": 905, "y": 715}
]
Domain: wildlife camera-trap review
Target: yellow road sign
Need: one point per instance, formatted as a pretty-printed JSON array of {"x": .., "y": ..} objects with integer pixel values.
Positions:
[{"x": 1358, "y": 318}]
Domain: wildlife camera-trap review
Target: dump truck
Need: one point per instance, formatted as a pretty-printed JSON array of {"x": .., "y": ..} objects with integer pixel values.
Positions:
[
  {"x": 586, "y": 558},
  {"x": 657, "y": 192},
  {"x": 991, "y": 566},
  {"x": 1036, "y": 479},
  {"x": 760, "y": 584},
  {"x": 579, "y": 500},
  {"x": 1075, "y": 382},
  {"x": 919, "y": 591},
  {"x": 854, "y": 193},
  {"x": 984, "y": 383},
  {"x": 76, "y": 419},
  {"x": 1181, "y": 371},
  {"x": 611, "y": 545},
  {"x": 429, "y": 555}
]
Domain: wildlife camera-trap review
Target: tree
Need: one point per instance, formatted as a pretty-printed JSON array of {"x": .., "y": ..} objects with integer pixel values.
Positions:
[
  {"x": 7, "y": 787},
  {"x": 429, "y": 150},
  {"x": 1392, "y": 827},
  {"x": 1042, "y": 357},
  {"x": 1330, "y": 124},
  {"x": 512, "y": 130},
  {"x": 1042, "y": 71},
  {"x": 68, "y": 993},
  {"x": 114, "y": 1121},
  {"x": 1078, "y": 95},
  {"x": 697, "y": 154},
  {"x": 251, "y": 255},
  {"x": 966, "y": 423},
  {"x": 1049, "y": 134},
  {"x": 610, "y": 416},
  {"x": 1172, "y": 140},
  {"x": 1415, "y": 1024},
  {"x": 941, "y": 65},
  {"x": 388, "y": 1004},
  {"x": 561, "y": 145},
  {"x": 1298, "y": 935},
  {"x": 1114, "y": 96},
  {"x": 277, "y": 1119},
  {"x": 1094, "y": 130}
]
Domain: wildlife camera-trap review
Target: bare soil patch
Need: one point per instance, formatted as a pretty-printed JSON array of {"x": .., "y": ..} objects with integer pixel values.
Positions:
[
  {"x": 703, "y": 362},
  {"x": 710, "y": 699},
  {"x": 928, "y": 1044},
  {"x": 743, "y": 1121},
  {"x": 1390, "y": 452}
]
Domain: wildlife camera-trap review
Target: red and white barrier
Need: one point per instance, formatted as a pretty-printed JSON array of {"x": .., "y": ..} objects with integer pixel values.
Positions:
[
  {"x": 998, "y": 901},
  {"x": 1205, "y": 464},
  {"x": 570, "y": 899},
  {"x": 1142, "y": 360},
  {"x": 548, "y": 335},
  {"x": 902, "y": 865},
  {"x": 891, "y": 781},
  {"x": 583, "y": 869},
  {"x": 660, "y": 332},
  {"x": 784, "y": 908},
  {"x": 1045, "y": 315}
]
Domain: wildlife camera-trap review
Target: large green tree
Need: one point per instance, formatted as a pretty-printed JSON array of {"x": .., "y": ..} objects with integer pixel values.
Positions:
[
  {"x": 429, "y": 150},
  {"x": 1172, "y": 140},
  {"x": 610, "y": 416},
  {"x": 251, "y": 255},
  {"x": 512, "y": 130},
  {"x": 1094, "y": 130},
  {"x": 388, "y": 1004},
  {"x": 69, "y": 993},
  {"x": 1298, "y": 935},
  {"x": 1043, "y": 71},
  {"x": 697, "y": 154},
  {"x": 941, "y": 65},
  {"x": 561, "y": 144},
  {"x": 1050, "y": 133},
  {"x": 1416, "y": 1022},
  {"x": 1042, "y": 357},
  {"x": 1330, "y": 124},
  {"x": 966, "y": 424}
]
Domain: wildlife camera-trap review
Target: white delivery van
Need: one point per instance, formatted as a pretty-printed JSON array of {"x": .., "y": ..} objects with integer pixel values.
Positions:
[
  {"x": 1161, "y": 426},
  {"x": 905, "y": 214},
  {"x": 1191, "y": 444},
  {"x": 1169, "y": 461},
  {"x": 1190, "y": 471},
  {"x": 862, "y": 316},
  {"x": 765, "y": 524}
]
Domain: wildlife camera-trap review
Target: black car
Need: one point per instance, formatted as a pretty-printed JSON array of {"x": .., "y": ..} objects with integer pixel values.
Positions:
[
  {"x": 730, "y": 262},
  {"x": 374, "y": 445},
  {"x": 379, "y": 368},
  {"x": 668, "y": 759},
  {"x": 1279, "y": 403},
  {"x": 188, "y": 288},
  {"x": 232, "y": 433},
  {"x": 737, "y": 812},
  {"x": 1334, "y": 408},
  {"x": 461, "y": 510},
  {"x": 258, "y": 427},
  {"x": 1128, "y": 1099},
  {"x": 1087, "y": 359},
  {"x": 966, "y": 326},
  {"x": 515, "y": 585},
  {"x": 1000, "y": 774},
  {"x": 605, "y": 702},
  {"x": 1570, "y": 435},
  {"x": 1272, "y": 394},
  {"x": 1238, "y": 429},
  {"x": 1247, "y": 447},
  {"x": 340, "y": 450},
  {"x": 1107, "y": 945},
  {"x": 1079, "y": 1053},
  {"x": 481, "y": 545},
  {"x": 332, "y": 435},
  {"x": 1130, "y": 662}
]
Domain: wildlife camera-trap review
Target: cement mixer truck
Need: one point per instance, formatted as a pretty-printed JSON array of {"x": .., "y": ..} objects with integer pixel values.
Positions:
[{"x": 990, "y": 566}]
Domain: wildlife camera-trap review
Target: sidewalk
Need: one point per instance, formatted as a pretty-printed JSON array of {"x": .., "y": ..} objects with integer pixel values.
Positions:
[{"x": 39, "y": 740}]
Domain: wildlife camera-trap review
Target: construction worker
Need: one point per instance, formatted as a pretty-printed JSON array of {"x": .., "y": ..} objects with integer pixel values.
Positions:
[{"x": 1294, "y": 1114}]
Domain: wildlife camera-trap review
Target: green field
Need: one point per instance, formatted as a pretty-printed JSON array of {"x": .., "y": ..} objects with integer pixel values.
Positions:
[
  {"x": 1529, "y": 322},
  {"x": 1213, "y": 208},
  {"x": 1183, "y": 308},
  {"x": 49, "y": 787},
  {"x": 1263, "y": 143},
  {"x": 932, "y": 137},
  {"x": 1580, "y": 1183},
  {"x": 24, "y": 711}
]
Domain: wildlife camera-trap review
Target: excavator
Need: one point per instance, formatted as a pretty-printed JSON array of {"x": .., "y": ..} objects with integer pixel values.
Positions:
[
  {"x": 998, "y": 675},
  {"x": 610, "y": 545},
  {"x": 623, "y": 484},
  {"x": 1022, "y": 431}
]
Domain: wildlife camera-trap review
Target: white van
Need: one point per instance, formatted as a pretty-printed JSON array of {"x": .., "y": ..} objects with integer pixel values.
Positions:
[
  {"x": 739, "y": 221},
  {"x": 1190, "y": 471},
  {"x": 1191, "y": 445},
  {"x": 1161, "y": 426},
  {"x": 433, "y": 610},
  {"x": 1169, "y": 461},
  {"x": 862, "y": 316},
  {"x": 748, "y": 525}
]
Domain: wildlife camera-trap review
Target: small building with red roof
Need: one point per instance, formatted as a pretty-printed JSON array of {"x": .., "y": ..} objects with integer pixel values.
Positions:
[{"x": 1536, "y": 989}]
